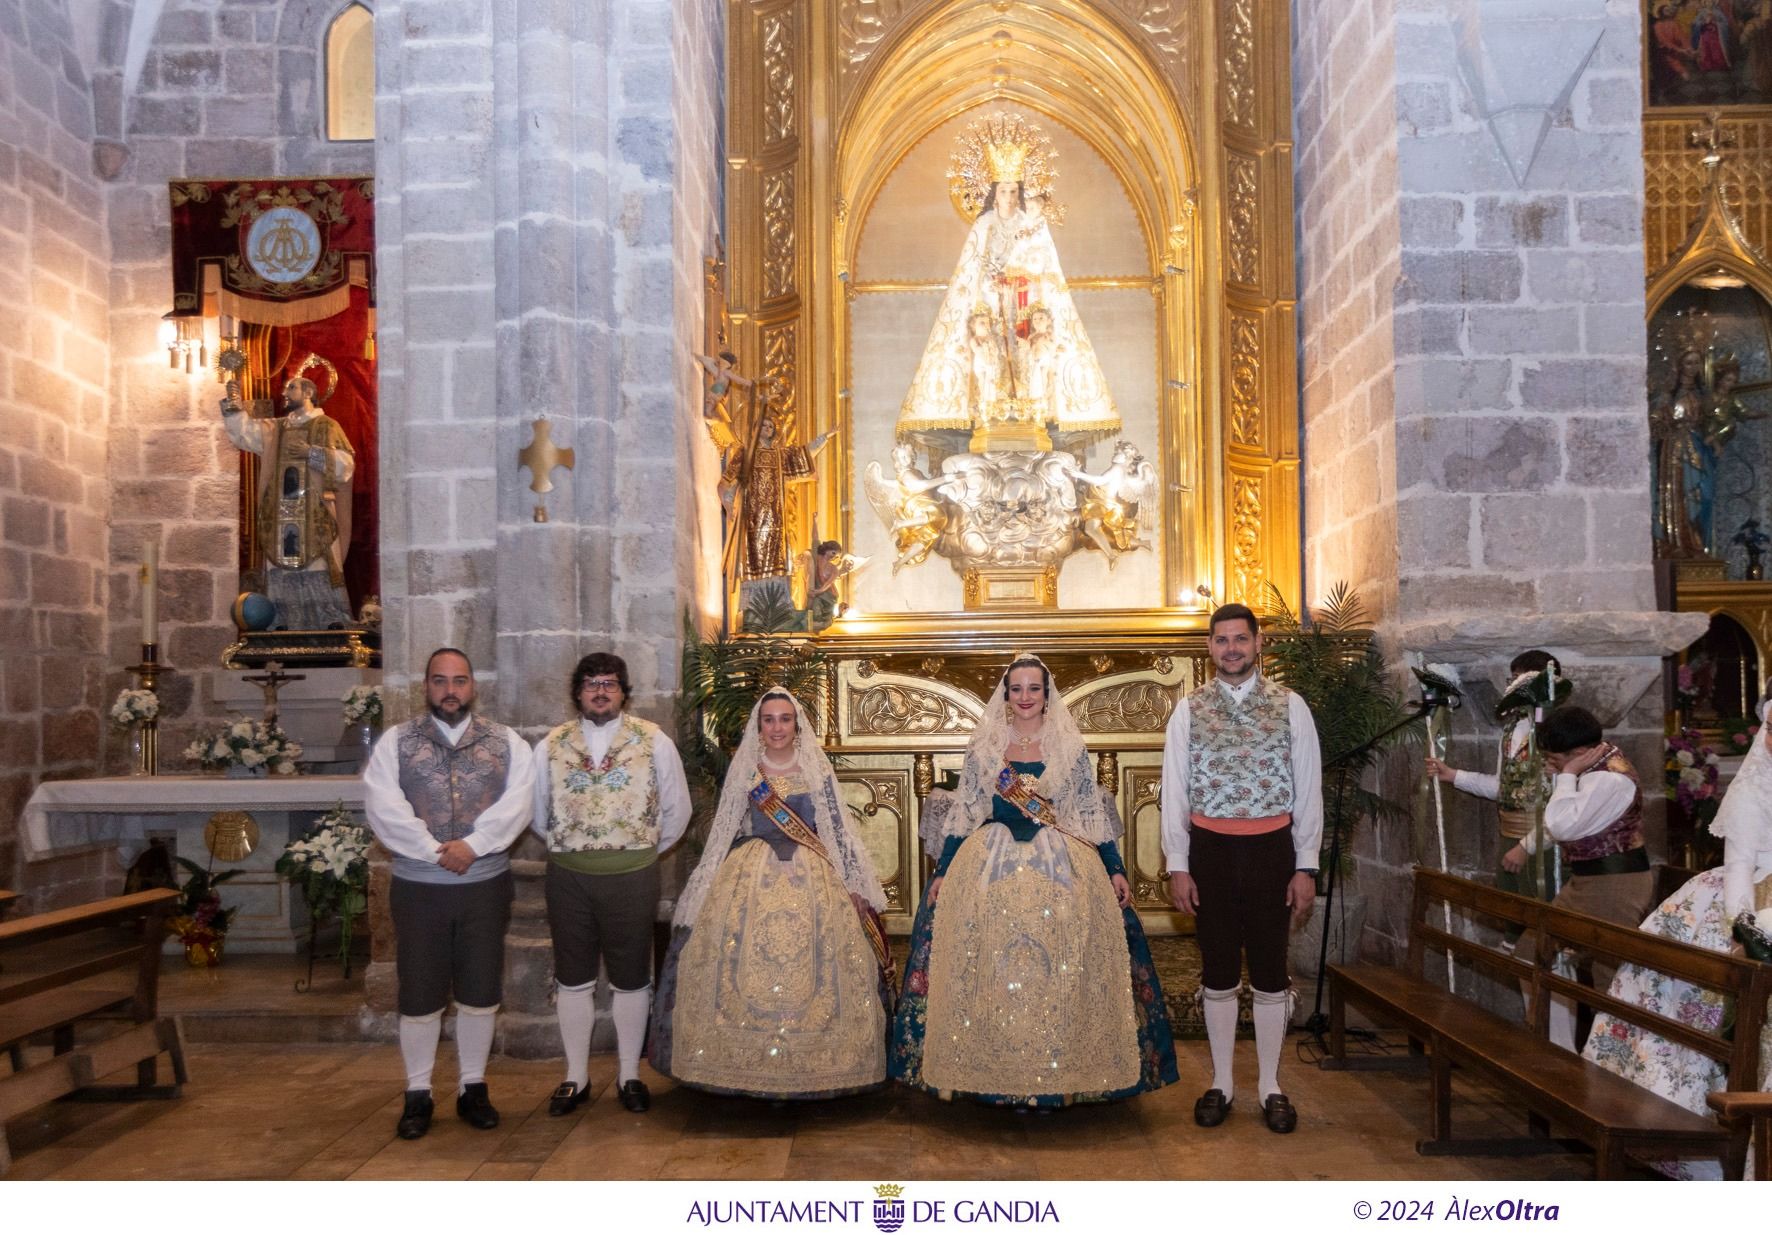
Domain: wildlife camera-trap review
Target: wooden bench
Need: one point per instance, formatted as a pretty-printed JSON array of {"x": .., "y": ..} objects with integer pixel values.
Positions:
[
  {"x": 1605, "y": 1112},
  {"x": 57, "y": 986}
]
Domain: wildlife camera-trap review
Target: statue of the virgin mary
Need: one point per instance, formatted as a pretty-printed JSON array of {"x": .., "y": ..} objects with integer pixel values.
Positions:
[{"x": 1008, "y": 358}]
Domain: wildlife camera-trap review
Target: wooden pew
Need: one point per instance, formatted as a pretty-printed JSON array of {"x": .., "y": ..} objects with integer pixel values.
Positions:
[
  {"x": 57, "y": 990},
  {"x": 1605, "y": 1112}
]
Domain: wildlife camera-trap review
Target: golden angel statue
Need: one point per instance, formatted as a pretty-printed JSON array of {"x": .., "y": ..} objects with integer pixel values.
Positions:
[
  {"x": 907, "y": 503},
  {"x": 1119, "y": 512},
  {"x": 1007, "y": 358}
]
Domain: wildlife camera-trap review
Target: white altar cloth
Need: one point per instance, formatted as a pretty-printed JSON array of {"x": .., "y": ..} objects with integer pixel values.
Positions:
[
  {"x": 65, "y": 816},
  {"x": 123, "y": 810}
]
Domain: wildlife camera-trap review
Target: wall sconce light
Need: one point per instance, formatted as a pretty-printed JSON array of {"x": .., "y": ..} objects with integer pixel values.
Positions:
[{"x": 181, "y": 334}]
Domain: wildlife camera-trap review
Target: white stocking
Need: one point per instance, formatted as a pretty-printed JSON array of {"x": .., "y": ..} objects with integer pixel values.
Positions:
[
  {"x": 630, "y": 1009},
  {"x": 418, "y": 1047},
  {"x": 1272, "y": 1010},
  {"x": 576, "y": 1009},
  {"x": 1221, "y": 1035},
  {"x": 473, "y": 1041}
]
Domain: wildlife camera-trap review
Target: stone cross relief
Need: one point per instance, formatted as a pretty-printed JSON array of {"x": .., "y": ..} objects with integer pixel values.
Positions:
[{"x": 541, "y": 457}]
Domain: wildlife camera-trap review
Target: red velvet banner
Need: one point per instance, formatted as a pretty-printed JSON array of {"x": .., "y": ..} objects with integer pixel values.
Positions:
[{"x": 284, "y": 252}]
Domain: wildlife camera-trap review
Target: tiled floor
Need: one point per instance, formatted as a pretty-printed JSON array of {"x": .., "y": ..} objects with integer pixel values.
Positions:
[{"x": 327, "y": 1111}]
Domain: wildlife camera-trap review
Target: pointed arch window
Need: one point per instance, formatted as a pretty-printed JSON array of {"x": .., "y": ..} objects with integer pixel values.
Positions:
[{"x": 350, "y": 76}]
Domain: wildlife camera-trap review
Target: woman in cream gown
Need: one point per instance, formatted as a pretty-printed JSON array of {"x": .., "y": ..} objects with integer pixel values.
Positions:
[
  {"x": 776, "y": 982},
  {"x": 1029, "y": 981},
  {"x": 1701, "y": 913}
]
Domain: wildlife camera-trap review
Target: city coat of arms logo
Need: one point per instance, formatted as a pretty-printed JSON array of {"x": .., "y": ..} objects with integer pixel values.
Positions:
[{"x": 888, "y": 1207}]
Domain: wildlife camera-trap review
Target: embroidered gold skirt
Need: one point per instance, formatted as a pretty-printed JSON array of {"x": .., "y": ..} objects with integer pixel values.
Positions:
[
  {"x": 776, "y": 991},
  {"x": 1028, "y": 965}
]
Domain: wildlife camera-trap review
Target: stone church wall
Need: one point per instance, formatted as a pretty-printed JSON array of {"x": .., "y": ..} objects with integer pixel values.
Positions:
[
  {"x": 54, "y": 351},
  {"x": 1476, "y": 445}
]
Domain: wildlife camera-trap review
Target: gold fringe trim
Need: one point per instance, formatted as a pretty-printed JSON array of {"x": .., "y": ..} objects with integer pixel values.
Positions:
[{"x": 285, "y": 312}]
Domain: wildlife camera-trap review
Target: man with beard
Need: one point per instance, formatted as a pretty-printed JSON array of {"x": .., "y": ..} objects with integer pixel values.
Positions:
[
  {"x": 448, "y": 793},
  {"x": 610, "y": 797},
  {"x": 1242, "y": 808},
  {"x": 304, "y": 504}
]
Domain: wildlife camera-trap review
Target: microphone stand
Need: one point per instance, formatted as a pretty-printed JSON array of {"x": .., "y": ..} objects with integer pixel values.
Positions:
[{"x": 1318, "y": 1023}]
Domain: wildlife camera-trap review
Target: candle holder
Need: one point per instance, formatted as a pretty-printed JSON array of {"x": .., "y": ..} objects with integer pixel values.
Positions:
[{"x": 147, "y": 675}]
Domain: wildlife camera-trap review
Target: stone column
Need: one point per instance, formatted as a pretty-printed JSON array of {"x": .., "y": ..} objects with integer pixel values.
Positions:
[
  {"x": 1477, "y": 450},
  {"x": 529, "y": 187}
]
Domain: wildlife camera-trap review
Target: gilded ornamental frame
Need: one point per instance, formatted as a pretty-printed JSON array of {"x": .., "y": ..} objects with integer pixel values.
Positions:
[{"x": 1189, "y": 104}]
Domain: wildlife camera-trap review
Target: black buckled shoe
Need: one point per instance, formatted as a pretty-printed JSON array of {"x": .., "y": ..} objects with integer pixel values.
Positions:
[
  {"x": 568, "y": 1098},
  {"x": 415, "y": 1118},
  {"x": 475, "y": 1108},
  {"x": 1211, "y": 1109},
  {"x": 1279, "y": 1114},
  {"x": 635, "y": 1097}
]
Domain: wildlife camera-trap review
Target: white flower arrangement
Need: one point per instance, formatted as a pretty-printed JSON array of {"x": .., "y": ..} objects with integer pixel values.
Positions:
[
  {"x": 363, "y": 706},
  {"x": 248, "y": 743},
  {"x": 132, "y": 707},
  {"x": 331, "y": 867}
]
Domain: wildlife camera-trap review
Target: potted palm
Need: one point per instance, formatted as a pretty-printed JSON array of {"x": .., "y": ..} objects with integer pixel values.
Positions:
[
  {"x": 723, "y": 678},
  {"x": 1335, "y": 664}
]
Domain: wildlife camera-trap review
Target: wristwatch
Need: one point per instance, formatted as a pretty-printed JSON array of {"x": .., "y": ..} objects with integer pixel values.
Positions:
[{"x": 1312, "y": 871}]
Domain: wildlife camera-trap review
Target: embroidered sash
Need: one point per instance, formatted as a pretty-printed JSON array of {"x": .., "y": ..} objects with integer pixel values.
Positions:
[
  {"x": 1017, "y": 788},
  {"x": 1013, "y": 787},
  {"x": 775, "y": 807}
]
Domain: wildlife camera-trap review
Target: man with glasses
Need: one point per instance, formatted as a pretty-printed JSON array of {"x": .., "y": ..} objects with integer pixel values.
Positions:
[
  {"x": 448, "y": 793},
  {"x": 610, "y": 797}
]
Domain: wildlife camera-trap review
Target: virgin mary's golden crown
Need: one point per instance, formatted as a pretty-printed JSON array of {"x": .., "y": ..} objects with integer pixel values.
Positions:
[{"x": 1006, "y": 161}]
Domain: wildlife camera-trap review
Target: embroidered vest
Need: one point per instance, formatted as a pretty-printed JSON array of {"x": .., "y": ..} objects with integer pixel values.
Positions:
[
  {"x": 1622, "y": 834},
  {"x": 611, "y": 805},
  {"x": 1239, "y": 756},
  {"x": 449, "y": 786}
]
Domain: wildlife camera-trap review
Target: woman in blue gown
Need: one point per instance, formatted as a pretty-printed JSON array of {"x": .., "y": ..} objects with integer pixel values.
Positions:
[
  {"x": 775, "y": 982},
  {"x": 1029, "y": 982}
]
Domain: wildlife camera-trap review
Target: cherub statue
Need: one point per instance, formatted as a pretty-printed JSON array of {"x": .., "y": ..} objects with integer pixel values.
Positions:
[
  {"x": 904, "y": 503},
  {"x": 826, "y": 568},
  {"x": 713, "y": 408},
  {"x": 1120, "y": 510}
]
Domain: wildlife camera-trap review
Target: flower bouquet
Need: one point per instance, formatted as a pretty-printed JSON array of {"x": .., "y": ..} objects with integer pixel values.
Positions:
[
  {"x": 136, "y": 710},
  {"x": 331, "y": 867},
  {"x": 134, "y": 707},
  {"x": 201, "y": 921},
  {"x": 1693, "y": 773},
  {"x": 252, "y": 745},
  {"x": 1739, "y": 733},
  {"x": 363, "y": 706}
]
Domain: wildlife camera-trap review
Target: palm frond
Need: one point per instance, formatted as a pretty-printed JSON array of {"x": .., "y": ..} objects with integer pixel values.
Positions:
[
  {"x": 1337, "y": 667},
  {"x": 723, "y": 677}
]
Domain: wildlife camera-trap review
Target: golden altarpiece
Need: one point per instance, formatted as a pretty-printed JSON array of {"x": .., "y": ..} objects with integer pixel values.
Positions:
[
  {"x": 1707, "y": 224},
  {"x": 1151, "y": 146}
]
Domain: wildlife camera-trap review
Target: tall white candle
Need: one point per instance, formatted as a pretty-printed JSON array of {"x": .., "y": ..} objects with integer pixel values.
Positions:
[{"x": 150, "y": 576}]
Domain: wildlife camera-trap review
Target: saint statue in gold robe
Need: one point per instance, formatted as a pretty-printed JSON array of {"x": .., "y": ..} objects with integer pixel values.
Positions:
[
  {"x": 754, "y": 489},
  {"x": 1008, "y": 358}
]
